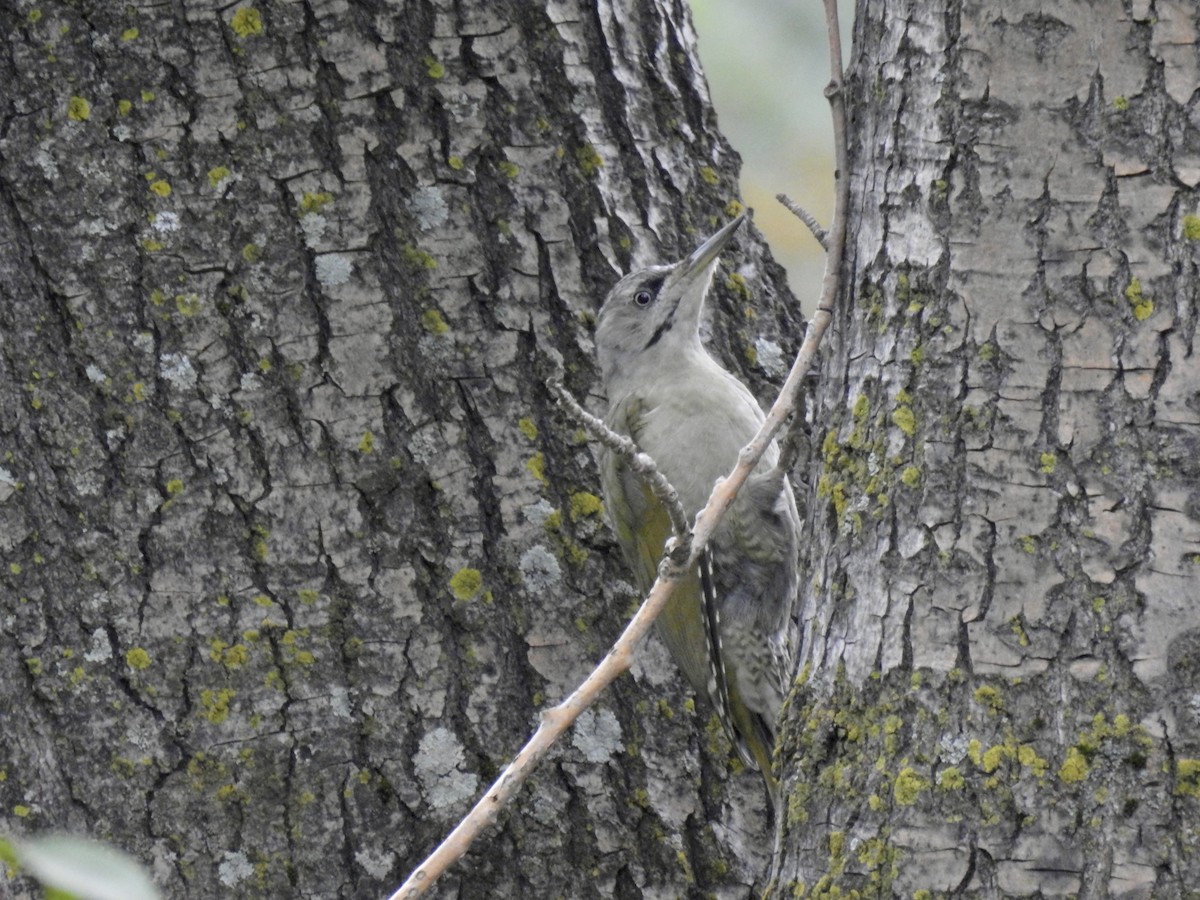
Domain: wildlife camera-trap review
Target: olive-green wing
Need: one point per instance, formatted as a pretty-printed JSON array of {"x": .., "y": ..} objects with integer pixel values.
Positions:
[{"x": 642, "y": 527}]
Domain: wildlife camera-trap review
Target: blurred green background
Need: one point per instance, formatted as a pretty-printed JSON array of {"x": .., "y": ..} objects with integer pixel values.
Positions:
[{"x": 767, "y": 64}]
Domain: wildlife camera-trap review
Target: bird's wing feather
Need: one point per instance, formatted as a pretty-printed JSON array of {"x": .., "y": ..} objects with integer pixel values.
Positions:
[{"x": 642, "y": 527}]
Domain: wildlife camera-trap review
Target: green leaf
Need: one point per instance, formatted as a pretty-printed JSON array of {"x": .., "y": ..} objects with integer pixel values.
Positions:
[{"x": 84, "y": 868}]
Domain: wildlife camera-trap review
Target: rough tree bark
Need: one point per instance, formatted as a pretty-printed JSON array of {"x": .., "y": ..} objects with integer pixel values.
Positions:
[
  {"x": 1003, "y": 634},
  {"x": 295, "y": 543}
]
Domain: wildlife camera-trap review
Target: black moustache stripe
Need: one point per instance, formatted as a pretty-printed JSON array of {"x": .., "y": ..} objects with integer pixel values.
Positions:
[{"x": 664, "y": 327}]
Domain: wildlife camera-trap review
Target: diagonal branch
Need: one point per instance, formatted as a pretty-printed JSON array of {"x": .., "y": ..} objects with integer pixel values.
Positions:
[{"x": 807, "y": 218}]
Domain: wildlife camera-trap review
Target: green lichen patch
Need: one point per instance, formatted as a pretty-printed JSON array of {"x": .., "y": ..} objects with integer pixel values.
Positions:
[
  {"x": 314, "y": 201},
  {"x": 904, "y": 419},
  {"x": 1075, "y": 766},
  {"x": 217, "y": 174},
  {"x": 990, "y": 697},
  {"x": 214, "y": 704},
  {"x": 862, "y": 407},
  {"x": 1005, "y": 754},
  {"x": 1027, "y": 756},
  {"x": 588, "y": 159},
  {"x": 79, "y": 109},
  {"x": 466, "y": 584},
  {"x": 1187, "y": 777},
  {"x": 737, "y": 283},
  {"x": 583, "y": 504},
  {"x": 246, "y": 22},
  {"x": 432, "y": 321},
  {"x": 417, "y": 259},
  {"x": 1191, "y": 227},
  {"x": 1143, "y": 306},
  {"x": 528, "y": 428},
  {"x": 951, "y": 779},
  {"x": 231, "y": 657},
  {"x": 536, "y": 466},
  {"x": 434, "y": 68},
  {"x": 137, "y": 659},
  {"x": 304, "y": 657},
  {"x": 908, "y": 787}
]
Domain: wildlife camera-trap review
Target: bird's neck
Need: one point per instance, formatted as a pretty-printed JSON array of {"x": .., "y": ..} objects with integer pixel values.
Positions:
[{"x": 667, "y": 362}]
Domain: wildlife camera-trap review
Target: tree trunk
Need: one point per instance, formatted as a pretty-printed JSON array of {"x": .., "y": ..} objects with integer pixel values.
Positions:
[
  {"x": 1002, "y": 634},
  {"x": 295, "y": 542}
]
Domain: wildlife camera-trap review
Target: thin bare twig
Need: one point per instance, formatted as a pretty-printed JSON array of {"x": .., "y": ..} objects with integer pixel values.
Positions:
[
  {"x": 834, "y": 240},
  {"x": 807, "y": 218},
  {"x": 837, "y": 234},
  {"x": 837, "y": 107},
  {"x": 638, "y": 461},
  {"x": 556, "y": 721}
]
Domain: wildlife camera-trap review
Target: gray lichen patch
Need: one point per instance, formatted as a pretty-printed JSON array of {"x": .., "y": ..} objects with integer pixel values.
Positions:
[
  {"x": 597, "y": 735},
  {"x": 439, "y": 767}
]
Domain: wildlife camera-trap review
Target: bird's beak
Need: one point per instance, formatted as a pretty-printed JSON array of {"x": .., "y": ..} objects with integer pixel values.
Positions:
[
  {"x": 691, "y": 276},
  {"x": 704, "y": 255}
]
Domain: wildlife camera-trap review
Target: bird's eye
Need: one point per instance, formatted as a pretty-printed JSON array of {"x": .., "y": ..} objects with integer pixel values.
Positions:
[{"x": 642, "y": 298}]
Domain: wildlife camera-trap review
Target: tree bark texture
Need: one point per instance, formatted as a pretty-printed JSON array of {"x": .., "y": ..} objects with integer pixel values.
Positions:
[
  {"x": 295, "y": 543},
  {"x": 1002, "y": 628}
]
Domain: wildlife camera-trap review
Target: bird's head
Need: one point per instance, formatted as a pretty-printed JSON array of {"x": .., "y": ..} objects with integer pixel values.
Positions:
[{"x": 656, "y": 310}]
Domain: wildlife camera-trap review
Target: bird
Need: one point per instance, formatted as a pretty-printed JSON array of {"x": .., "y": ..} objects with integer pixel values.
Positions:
[{"x": 729, "y": 623}]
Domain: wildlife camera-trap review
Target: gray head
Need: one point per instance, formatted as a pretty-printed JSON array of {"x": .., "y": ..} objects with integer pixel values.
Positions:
[{"x": 653, "y": 314}]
